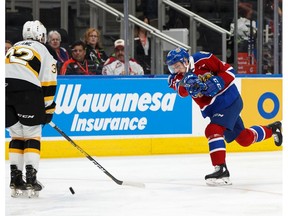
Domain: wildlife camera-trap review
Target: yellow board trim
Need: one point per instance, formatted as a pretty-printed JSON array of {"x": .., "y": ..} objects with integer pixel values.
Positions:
[{"x": 141, "y": 146}]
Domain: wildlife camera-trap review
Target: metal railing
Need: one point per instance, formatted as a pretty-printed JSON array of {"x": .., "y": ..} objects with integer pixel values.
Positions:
[
  {"x": 192, "y": 28},
  {"x": 156, "y": 50}
]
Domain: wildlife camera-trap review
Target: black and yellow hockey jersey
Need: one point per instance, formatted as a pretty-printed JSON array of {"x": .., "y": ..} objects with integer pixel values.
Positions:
[{"x": 28, "y": 66}]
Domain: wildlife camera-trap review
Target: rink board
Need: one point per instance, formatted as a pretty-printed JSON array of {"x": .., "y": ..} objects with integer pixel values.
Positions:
[{"x": 114, "y": 116}]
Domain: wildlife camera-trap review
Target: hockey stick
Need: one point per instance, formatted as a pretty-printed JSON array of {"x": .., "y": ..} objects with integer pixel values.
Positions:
[{"x": 128, "y": 183}]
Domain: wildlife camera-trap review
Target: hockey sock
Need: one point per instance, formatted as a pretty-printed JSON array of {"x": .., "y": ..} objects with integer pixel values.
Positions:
[
  {"x": 253, "y": 134},
  {"x": 262, "y": 132},
  {"x": 32, "y": 153},
  {"x": 217, "y": 147},
  {"x": 16, "y": 148},
  {"x": 217, "y": 154}
]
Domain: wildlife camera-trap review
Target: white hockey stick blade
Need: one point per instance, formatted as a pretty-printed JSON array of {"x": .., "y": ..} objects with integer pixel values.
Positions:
[{"x": 134, "y": 184}]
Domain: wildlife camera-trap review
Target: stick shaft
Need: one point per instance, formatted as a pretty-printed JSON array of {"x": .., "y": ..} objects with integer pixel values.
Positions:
[{"x": 85, "y": 153}]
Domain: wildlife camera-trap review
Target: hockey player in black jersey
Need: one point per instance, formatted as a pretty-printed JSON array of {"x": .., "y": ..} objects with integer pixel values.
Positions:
[{"x": 31, "y": 80}]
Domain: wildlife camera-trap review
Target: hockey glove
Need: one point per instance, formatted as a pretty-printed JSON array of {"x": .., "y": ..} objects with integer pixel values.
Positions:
[
  {"x": 49, "y": 110},
  {"x": 171, "y": 80},
  {"x": 196, "y": 90},
  {"x": 174, "y": 81},
  {"x": 193, "y": 84},
  {"x": 190, "y": 79},
  {"x": 213, "y": 86}
]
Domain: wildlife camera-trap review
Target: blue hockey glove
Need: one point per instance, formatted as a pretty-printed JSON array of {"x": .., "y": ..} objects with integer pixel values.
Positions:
[
  {"x": 190, "y": 79},
  {"x": 213, "y": 86},
  {"x": 193, "y": 84},
  {"x": 196, "y": 89}
]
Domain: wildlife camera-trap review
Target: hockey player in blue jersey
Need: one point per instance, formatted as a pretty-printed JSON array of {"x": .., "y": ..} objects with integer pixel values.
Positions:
[{"x": 210, "y": 83}]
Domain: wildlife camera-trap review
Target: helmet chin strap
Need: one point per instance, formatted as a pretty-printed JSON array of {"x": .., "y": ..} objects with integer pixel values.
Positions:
[
  {"x": 191, "y": 66},
  {"x": 187, "y": 66}
]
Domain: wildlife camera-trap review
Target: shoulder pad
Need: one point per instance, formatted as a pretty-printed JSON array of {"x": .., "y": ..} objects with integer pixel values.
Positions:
[{"x": 201, "y": 55}]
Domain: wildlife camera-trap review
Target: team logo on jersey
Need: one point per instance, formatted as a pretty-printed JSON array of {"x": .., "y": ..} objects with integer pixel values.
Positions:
[
  {"x": 178, "y": 50},
  {"x": 205, "y": 76}
]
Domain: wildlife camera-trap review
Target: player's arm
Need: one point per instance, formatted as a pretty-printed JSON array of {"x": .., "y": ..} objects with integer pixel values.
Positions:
[
  {"x": 174, "y": 83},
  {"x": 197, "y": 87},
  {"x": 219, "y": 68},
  {"x": 48, "y": 79}
]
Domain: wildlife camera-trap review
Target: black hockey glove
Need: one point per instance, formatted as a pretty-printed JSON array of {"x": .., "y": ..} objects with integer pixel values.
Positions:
[{"x": 49, "y": 111}]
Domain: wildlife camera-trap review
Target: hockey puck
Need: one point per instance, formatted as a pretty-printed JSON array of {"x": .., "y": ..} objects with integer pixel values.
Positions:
[{"x": 71, "y": 190}]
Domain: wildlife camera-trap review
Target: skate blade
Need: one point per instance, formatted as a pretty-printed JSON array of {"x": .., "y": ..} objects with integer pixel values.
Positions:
[
  {"x": 31, "y": 193},
  {"x": 218, "y": 182},
  {"x": 17, "y": 193}
]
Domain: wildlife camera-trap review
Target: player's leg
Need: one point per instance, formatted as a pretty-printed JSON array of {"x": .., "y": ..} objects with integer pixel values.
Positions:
[
  {"x": 259, "y": 133},
  {"x": 16, "y": 147},
  {"x": 221, "y": 122},
  {"x": 276, "y": 128},
  {"x": 32, "y": 159},
  {"x": 17, "y": 184},
  {"x": 32, "y": 133},
  {"x": 217, "y": 149}
]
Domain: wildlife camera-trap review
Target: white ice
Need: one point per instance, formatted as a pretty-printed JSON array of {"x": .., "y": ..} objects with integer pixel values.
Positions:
[{"x": 175, "y": 186}]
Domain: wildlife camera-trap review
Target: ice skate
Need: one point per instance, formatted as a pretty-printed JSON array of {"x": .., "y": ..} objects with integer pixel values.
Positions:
[
  {"x": 17, "y": 184},
  {"x": 219, "y": 177},
  {"x": 32, "y": 185},
  {"x": 277, "y": 132}
]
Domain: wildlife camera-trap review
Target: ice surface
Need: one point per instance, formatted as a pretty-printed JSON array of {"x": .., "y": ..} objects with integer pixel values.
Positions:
[{"x": 174, "y": 186}]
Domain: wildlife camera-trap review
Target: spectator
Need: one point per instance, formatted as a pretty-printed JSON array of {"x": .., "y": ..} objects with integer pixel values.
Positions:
[
  {"x": 8, "y": 45},
  {"x": 246, "y": 28},
  {"x": 54, "y": 40},
  {"x": 94, "y": 49},
  {"x": 142, "y": 45},
  {"x": 115, "y": 65},
  {"x": 78, "y": 65}
]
